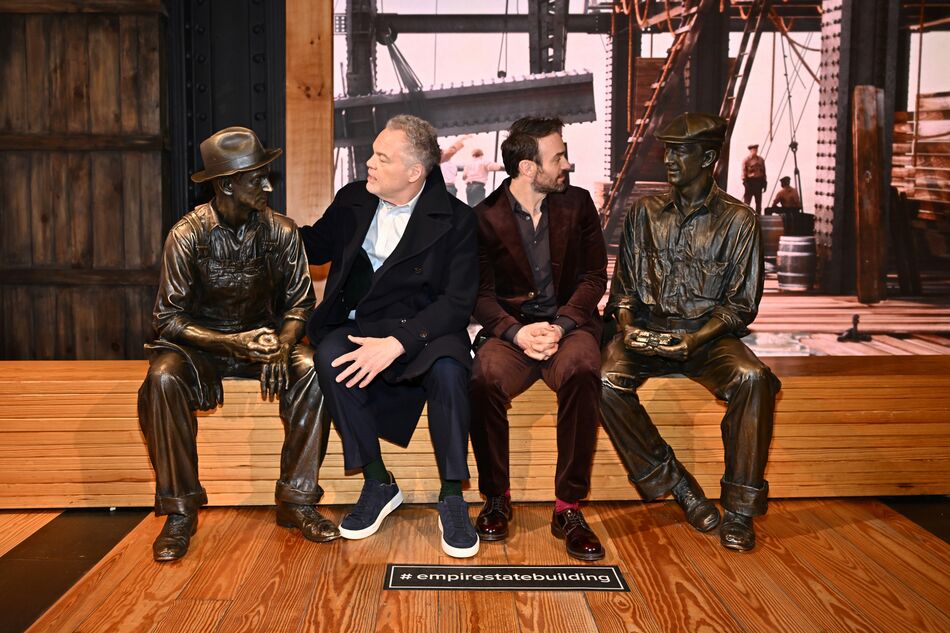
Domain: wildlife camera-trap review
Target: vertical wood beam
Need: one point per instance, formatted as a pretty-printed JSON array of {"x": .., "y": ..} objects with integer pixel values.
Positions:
[
  {"x": 868, "y": 109},
  {"x": 309, "y": 117},
  {"x": 859, "y": 47}
]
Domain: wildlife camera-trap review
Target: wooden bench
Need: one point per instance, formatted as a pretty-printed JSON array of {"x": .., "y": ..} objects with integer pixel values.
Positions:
[{"x": 845, "y": 426}]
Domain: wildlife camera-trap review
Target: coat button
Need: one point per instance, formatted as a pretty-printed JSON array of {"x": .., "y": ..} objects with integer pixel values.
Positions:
[
  {"x": 532, "y": 294},
  {"x": 423, "y": 333},
  {"x": 417, "y": 270}
]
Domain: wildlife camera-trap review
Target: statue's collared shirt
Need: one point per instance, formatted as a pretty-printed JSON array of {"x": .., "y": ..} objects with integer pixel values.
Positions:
[
  {"x": 231, "y": 280},
  {"x": 678, "y": 267}
]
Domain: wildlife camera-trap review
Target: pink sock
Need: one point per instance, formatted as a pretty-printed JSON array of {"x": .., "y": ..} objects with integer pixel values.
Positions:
[{"x": 561, "y": 506}]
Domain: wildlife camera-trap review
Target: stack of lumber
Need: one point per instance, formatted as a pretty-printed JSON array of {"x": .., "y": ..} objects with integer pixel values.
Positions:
[
  {"x": 69, "y": 437},
  {"x": 922, "y": 160}
]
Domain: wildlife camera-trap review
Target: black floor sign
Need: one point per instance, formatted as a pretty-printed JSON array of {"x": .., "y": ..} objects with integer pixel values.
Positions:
[{"x": 506, "y": 577}]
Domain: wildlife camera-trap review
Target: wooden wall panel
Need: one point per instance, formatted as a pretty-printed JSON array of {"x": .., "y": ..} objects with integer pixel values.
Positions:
[
  {"x": 13, "y": 75},
  {"x": 37, "y": 29},
  {"x": 42, "y": 209},
  {"x": 309, "y": 108},
  {"x": 81, "y": 150},
  {"x": 103, "y": 73},
  {"x": 15, "y": 235}
]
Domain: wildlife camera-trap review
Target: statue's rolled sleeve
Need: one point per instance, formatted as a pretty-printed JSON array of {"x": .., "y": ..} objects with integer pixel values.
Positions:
[
  {"x": 744, "y": 287},
  {"x": 298, "y": 293},
  {"x": 175, "y": 284},
  {"x": 623, "y": 286}
]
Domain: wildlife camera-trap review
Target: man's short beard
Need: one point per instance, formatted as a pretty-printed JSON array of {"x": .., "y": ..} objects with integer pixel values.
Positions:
[{"x": 545, "y": 188}]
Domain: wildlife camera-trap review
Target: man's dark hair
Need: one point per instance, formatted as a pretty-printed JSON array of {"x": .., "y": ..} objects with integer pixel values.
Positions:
[{"x": 522, "y": 141}]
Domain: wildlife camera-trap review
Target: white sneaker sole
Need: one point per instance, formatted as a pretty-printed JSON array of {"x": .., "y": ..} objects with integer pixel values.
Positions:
[
  {"x": 457, "y": 552},
  {"x": 355, "y": 535}
]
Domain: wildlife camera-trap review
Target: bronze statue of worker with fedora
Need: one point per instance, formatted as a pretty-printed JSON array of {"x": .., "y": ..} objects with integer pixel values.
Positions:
[
  {"x": 687, "y": 284},
  {"x": 233, "y": 300}
]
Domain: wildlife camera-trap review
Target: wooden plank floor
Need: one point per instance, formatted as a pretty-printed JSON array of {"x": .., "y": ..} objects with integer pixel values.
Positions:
[
  {"x": 821, "y": 565},
  {"x": 17, "y": 525}
]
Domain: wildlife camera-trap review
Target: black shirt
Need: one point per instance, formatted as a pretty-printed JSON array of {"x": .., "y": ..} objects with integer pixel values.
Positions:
[{"x": 537, "y": 246}]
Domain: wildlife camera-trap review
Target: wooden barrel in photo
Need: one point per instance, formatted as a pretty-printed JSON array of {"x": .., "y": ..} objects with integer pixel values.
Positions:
[
  {"x": 796, "y": 263},
  {"x": 772, "y": 227}
]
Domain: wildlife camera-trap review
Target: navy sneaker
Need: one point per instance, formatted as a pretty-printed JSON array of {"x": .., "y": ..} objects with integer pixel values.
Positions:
[
  {"x": 376, "y": 501},
  {"x": 458, "y": 534}
]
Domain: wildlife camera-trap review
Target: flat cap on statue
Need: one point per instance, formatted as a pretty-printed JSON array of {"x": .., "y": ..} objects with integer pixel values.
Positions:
[
  {"x": 232, "y": 150},
  {"x": 693, "y": 127}
]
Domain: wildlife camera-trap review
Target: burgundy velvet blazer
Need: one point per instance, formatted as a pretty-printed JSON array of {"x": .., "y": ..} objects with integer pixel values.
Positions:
[{"x": 578, "y": 261}]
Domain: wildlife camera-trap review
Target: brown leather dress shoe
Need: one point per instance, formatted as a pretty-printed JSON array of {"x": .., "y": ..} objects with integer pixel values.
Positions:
[
  {"x": 737, "y": 532},
  {"x": 313, "y": 525},
  {"x": 172, "y": 542},
  {"x": 492, "y": 521},
  {"x": 700, "y": 512},
  {"x": 581, "y": 541}
]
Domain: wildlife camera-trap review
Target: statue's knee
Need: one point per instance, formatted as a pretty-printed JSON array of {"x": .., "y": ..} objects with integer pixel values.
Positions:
[
  {"x": 753, "y": 375},
  {"x": 166, "y": 371},
  {"x": 301, "y": 362},
  {"x": 619, "y": 383}
]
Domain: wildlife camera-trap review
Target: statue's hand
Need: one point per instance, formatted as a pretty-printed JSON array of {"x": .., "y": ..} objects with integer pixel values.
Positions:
[
  {"x": 630, "y": 334},
  {"x": 275, "y": 374},
  {"x": 678, "y": 351},
  {"x": 256, "y": 346}
]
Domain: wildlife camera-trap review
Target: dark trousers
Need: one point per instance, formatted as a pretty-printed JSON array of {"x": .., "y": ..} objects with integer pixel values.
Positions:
[
  {"x": 474, "y": 193},
  {"x": 732, "y": 373},
  {"x": 753, "y": 189},
  {"x": 166, "y": 415},
  {"x": 360, "y": 415},
  {"x": 501, "y": 372}
]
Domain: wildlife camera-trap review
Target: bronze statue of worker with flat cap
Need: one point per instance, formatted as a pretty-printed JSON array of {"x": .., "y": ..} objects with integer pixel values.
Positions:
[
  {"x": 686, "y": 286},
  {"x": 233, "y": 301}
]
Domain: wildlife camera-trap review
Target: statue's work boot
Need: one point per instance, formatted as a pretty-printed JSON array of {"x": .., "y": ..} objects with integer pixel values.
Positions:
[
  {"x": 173, "y": 541},
  {"x": 700, "y": 512},
  {"x": 313, "y": 525},
  {"x": 737, "y": 532}
]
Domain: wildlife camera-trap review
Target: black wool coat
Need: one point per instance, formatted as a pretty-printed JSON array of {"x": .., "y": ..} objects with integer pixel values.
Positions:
[{"x": 423, "y": 294}]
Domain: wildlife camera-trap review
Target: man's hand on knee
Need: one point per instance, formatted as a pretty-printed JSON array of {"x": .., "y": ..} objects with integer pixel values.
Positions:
[
  {"x": 539, "y": 340},
  {"x": 371, "y": 357}
]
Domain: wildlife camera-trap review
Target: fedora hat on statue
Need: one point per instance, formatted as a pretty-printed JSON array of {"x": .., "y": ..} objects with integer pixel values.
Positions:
[{"x": 232, "y": 150}]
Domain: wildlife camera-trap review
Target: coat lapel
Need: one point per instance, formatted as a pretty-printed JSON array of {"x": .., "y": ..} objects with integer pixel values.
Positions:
[
  {"x": 558, "y": 223},
  {"x": 502, "y": 218},
  {"x": 363, "y": 210},
  {"x": 431, "y": 219}
]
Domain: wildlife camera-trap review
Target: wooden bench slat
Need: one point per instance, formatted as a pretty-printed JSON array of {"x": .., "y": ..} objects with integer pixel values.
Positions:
[{"x": 69, "y": 436}]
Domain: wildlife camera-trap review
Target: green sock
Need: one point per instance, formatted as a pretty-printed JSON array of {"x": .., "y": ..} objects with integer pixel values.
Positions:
[
  {"x": 450, "y": 487},
  {"x": 376, "y": 470}
]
